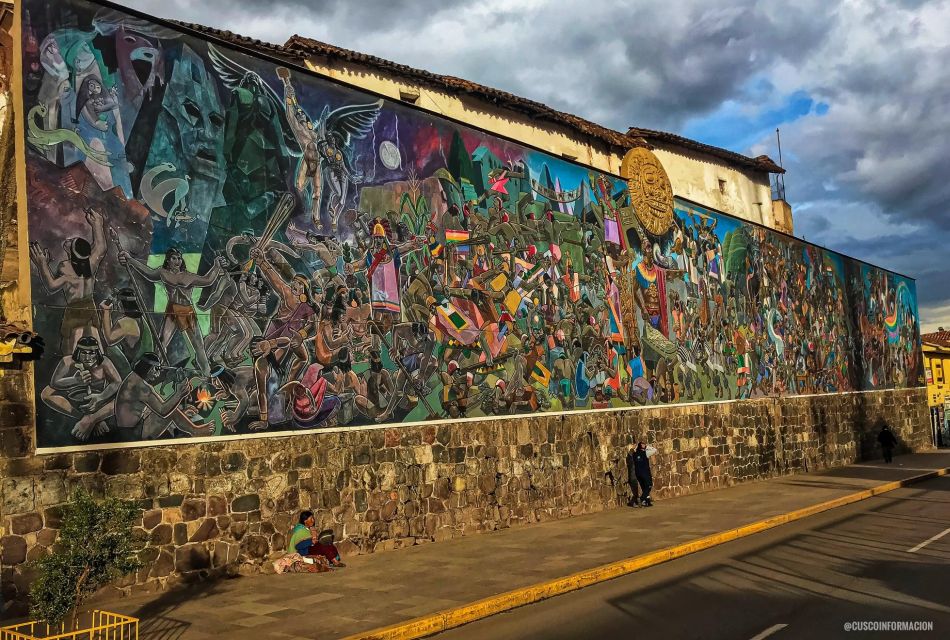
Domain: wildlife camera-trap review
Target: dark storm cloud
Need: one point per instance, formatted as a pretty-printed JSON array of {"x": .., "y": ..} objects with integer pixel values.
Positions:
[{"x": 617, "y": 63}]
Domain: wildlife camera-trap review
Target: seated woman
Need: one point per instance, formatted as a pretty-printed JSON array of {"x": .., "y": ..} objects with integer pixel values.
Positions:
[
  {"x": 302, "y": 539},
  {"x": 325, "y": 547}
]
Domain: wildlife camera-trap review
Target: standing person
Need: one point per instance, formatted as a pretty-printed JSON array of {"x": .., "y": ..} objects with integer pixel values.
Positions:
[
  {"x": 638, "y": 472},
  {"x": 888, "y": 442}
]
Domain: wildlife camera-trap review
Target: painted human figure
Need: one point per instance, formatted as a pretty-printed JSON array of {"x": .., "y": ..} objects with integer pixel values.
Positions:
[
  {"x": 94, "y": 100},
  {"x": 75, "y": 277},
  {"x": 179, "y": 284},
  {"x": 330, "y": 268},
  {"x": 141, "y": 407},
  {"x": 237, "y": 388},
  {"x": 236, "y": 300},
  {"x": 331, "y": 336},
  {"x": 327, "y": 147},
  {"x": 309, "y": 176},
  {"x": 82, "y": 387},
  {"x": 284, "y": 337},
  {"x": 650, "y": 292},
  {"x": 129, "y": 331},
  {"x": 412, "y": 347},
  {"x": 650, "y": 282},
  {"x": 379, "y": 387}
]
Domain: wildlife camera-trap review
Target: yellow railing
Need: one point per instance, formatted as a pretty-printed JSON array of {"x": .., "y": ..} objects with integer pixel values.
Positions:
[{"x": 97, "y": 625}]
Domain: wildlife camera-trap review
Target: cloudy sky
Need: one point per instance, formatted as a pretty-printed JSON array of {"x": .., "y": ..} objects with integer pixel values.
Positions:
[{"x": 860, "y": 90}]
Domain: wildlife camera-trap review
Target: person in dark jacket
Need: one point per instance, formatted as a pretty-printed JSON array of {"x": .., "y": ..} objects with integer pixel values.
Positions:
[
  {"x": 888, "y": 442},
  {"x": 638, "y": 473}
]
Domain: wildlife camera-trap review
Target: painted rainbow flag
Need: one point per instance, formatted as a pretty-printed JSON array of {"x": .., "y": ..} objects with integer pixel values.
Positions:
[{"x": 456, "y": 235}]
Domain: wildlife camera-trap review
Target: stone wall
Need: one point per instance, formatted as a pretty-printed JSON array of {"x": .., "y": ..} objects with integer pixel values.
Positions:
[{"x": 227, "y": 506}]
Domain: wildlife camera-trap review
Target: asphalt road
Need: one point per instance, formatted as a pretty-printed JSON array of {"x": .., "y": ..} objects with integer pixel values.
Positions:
[{"x": 861, "y": 563}]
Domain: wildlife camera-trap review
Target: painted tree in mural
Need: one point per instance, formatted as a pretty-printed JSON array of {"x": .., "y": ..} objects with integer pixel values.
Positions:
[{"x": 225, "y": 246}]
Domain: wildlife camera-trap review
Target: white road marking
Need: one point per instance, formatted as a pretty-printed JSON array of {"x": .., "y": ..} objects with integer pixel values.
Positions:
[
  {"x": 926, "y": 542},
  {"x": 769, "y": 631}
]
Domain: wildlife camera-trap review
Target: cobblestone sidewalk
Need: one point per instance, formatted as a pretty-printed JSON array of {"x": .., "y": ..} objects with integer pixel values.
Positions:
[{"x": 385, "y": 588}]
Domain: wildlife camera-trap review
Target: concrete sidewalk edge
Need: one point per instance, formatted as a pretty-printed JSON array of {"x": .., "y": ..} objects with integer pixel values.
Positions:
[{"x": 457, "y": 616}]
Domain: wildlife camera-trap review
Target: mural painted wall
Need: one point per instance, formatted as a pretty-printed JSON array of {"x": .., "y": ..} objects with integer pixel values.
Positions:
[{"x": 222, "y": 246}]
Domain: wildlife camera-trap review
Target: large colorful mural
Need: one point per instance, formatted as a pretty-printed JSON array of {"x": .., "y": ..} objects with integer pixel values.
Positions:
[{"x": 223, "y": 246}]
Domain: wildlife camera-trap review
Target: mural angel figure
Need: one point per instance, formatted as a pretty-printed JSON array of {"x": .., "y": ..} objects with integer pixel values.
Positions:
[{"x": 327, "y": 145}]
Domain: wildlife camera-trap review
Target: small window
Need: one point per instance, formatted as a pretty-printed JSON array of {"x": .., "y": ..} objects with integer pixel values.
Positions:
[
  {"x": 409, "y": 95},
  {"x": 722, "y": 186},
  {"x": 938, "y": 372}
]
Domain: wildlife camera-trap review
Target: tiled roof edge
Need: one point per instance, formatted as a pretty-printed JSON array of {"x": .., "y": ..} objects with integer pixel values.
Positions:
[{"x": 298, "y": 48}]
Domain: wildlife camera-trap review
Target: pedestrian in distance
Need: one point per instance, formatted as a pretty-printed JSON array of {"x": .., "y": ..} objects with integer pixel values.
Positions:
[
  {"x": 888, "y": 442},
  {"x": 639, "y": 474}
]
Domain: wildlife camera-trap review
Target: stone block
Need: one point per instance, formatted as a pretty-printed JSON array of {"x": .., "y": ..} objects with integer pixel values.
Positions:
[
  {"x": 18, "y": 495},
  {"x": 441, "y": 488},
  {"x": 174, "y": 500},
  {"x": 120, "y": 461},
  {"x": 172, "y": 515},
  {"x": 86, "y": 462},
  {"x": 26, "y": 523},
  {"x": 217, "y": 505},
  {"x": 151, "y": 518},
  {"x": 225, "y": 553},
  {"x": 53, "y": 517},
  {"x": 180, "y": 533},
  {"x": 388, "y": 511},
  {"x": 15, "y": 414},
  {"x": 238, "y": 530},
  {"x": 16, "y": 442},
  {"x": 192, "y": 557},
  {"x": 161, "y": 535},
  {"x": 235, "y": 461},
  {"x": 250, "y": 502},
  {"x": 46, "y": 537},
  {"x": 12, "y": 550},
  {"x": 207, "y": 530},
  {"x": 255, "y": 547},
  {"x": 423, "y": 454},
  {"x": 193, "y": 508}
]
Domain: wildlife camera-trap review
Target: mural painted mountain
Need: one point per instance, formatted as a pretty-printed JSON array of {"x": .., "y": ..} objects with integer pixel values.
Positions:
[{"x": 222, "y": 246}]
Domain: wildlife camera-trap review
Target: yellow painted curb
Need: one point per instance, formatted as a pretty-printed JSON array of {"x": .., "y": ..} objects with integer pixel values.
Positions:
[{"x": 457, "y": 616}]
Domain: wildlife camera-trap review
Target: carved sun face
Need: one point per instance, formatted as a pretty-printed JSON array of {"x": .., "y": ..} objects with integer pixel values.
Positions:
[{"x": 650, "y": 192}]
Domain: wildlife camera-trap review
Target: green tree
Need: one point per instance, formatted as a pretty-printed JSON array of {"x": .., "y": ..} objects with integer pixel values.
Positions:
[{"x": 96, "y": 545}]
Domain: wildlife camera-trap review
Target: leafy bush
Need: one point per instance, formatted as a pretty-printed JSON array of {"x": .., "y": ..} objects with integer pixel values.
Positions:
[{"x": 96, "y": 545}]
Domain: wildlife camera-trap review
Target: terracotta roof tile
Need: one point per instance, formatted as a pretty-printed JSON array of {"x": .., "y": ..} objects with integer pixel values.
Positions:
[
  {"x": 239, "y": 40},
  {"x": 298, "y": 48},
  {"x": 941, "y": 338}
]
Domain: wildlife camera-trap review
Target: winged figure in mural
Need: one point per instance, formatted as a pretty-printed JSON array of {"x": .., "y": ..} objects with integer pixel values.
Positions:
[
  {"x": 327, "y": 146},
  {"x": 260, "y": 147},
  {"x": 236, "y": 77}
]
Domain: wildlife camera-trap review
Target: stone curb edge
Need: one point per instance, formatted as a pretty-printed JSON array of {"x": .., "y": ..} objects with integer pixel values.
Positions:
[{"x": 457, "y": 616}]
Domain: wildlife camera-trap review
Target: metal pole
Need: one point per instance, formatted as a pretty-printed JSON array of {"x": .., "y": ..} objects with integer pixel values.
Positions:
[
  {"x": 780, "y": 177},
  {"x": 778, "y": 136}
]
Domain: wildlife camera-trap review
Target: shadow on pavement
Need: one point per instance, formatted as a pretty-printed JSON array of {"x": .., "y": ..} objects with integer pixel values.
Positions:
[{"x": 157, "y": 615}]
